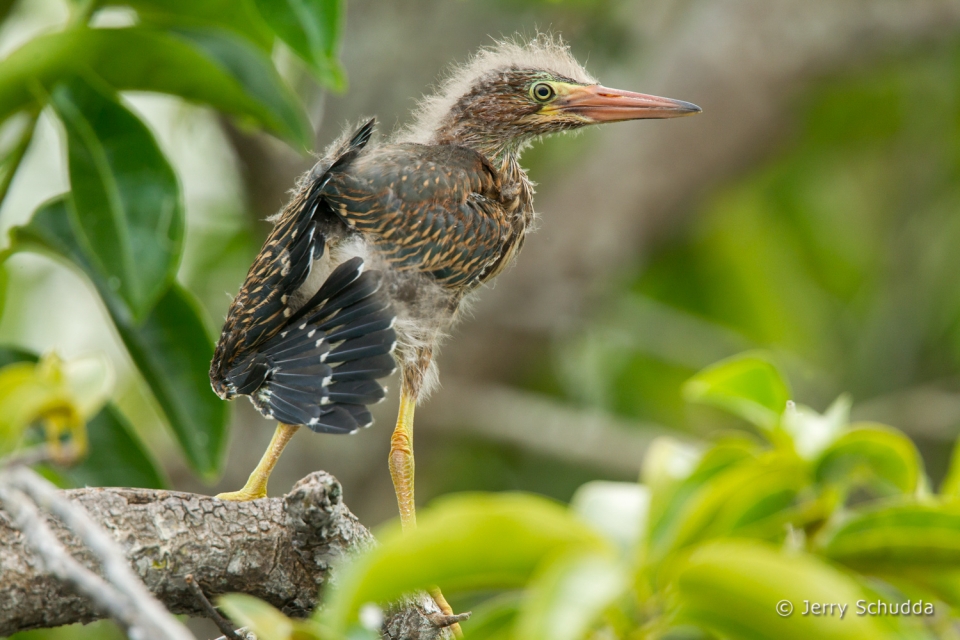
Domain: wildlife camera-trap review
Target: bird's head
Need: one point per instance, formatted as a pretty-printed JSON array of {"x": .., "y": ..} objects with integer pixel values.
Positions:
[{"x": 512, "y": 93}]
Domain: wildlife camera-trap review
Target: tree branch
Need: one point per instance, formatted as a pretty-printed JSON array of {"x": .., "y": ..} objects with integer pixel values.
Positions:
[
  {"x": 278, "y": 549},
  {"x": 121, "y": 596}
]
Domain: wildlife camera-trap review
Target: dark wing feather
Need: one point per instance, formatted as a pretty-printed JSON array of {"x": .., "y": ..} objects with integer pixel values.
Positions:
[
  {"x": 261, "y": 308},
  {"x": 434, "y": 209},
  {"x": 304, "y": 373},
  {"x": 317, "y": 366}
]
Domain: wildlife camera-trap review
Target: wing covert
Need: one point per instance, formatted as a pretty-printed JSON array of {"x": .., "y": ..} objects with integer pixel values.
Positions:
[{"x": 435, "y": 209}]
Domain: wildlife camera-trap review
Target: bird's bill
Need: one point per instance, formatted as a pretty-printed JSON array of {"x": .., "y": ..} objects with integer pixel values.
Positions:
[{"x": 602, "y": 104}]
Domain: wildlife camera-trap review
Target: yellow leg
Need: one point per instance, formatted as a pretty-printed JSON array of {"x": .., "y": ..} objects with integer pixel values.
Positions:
[
  {"x": 402, "y": 472},
  {"x": 256, "y": 486},
  {"x": 401, "y": 460}
]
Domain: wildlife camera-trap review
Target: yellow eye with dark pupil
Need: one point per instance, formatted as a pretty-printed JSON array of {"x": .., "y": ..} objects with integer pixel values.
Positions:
[{"x": 542, "y": 92}]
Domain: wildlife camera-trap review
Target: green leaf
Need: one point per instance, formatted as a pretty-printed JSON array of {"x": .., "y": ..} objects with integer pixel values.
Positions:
[
  {"x": 754, "y": 497},
  {"x": 675, "y": 473},
  {"x": 208, "y": 66},
  {"x": 171, "y": 348},
  {"x": 733, "y": 588},
  {"x": 5, "y": 7},
  {"x": 238, "y": 16},
  {"x": 257, "y": 75},
  {"x": 462, "y": 543},
  {"x": 13, "y": 156},
  {"x": 748, "y": 385},
  {"x": 127, "y": 211},
  {"x": 951, "y": 482},
  {"x": 899, "y": 537},
  {"x": 261, "y": 618},
  {"x": 567, "y": 598},
  {"x": 4, "y": 284},
  {"x": 116, "y": 457},
  {"x": 872, "y": 455},
  {"x": 312, "y": 29},
  {"x": 494, "y": 619},
  {"x": 10, "y": 354}
]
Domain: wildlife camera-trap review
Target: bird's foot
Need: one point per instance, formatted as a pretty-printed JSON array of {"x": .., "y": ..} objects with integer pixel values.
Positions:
[
  {"x": 447, "y": 618},
  {"x": 245, "y": 494}
]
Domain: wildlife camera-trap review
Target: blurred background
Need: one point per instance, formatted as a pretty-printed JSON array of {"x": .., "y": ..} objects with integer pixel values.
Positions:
[{"x": 811, "y": 210}]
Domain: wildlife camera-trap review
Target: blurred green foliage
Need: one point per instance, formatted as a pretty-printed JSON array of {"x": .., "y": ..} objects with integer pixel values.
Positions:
[
  {"x": 710, "y": 543},
  {"x": 121, "y": 224},
  {"x": 61, "y": 396}
]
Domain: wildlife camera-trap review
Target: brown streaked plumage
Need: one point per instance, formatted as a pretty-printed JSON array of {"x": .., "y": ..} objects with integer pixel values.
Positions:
[{"x": 427, "y": 218}]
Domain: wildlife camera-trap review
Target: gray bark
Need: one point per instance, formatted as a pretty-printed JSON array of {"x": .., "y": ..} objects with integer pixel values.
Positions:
[{"x": 278, "y": 549}]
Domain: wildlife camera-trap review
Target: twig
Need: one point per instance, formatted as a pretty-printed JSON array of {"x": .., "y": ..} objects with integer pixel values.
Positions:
[
  {"x": 222, "y": 623},
  {"x": 126, "y": 599},
  {"x": 27, "y": 457},
  {"x": 442, "y": 620}
]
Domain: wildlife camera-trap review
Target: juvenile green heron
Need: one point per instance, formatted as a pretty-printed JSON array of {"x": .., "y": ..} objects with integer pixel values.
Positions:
[{"x": 371, "y": 259}]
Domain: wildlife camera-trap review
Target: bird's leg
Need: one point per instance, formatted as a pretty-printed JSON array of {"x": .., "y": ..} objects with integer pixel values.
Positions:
[
  {"x": 401, "y": 456},
  {"x": 402, "y": 464},
  {"x": 256, "y": 486}
]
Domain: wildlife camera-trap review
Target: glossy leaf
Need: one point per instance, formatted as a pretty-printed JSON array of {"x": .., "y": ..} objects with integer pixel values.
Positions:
[
  {"x": 873, "y": 455},
  {"x": 116, "y": 457},
  {"x": 127, "y": 210},
  {"x": 749, "y": 386},
  {"x": 462, "y": 543},
  {"x": 733, "y": 588},
  {"x": 748, "y": 496},
  {"x": 666, "y": 472},
  {"x": 208, "y": 66},
  {"x": 898, "y": 537},
  {"x": 311, "y": 28},
  {"x": 239, "y": 16},
  {"x": 256, "y": 75},
  {"x": 171, "y": 347},
  {"x": 567, "y": 598}
]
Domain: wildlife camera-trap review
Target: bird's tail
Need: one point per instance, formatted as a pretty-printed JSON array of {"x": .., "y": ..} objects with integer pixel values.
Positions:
[{"x": 321, "y": 370}]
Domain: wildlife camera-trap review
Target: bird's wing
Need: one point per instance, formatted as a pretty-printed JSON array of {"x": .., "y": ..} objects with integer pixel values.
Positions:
[
  {"x": 321, "y": 369},
  {"x": 261, "y": 308},
  {"x": 435, "y": 209}
]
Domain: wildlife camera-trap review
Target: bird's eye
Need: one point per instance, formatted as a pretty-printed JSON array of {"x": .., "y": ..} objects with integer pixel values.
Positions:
[{"x": 542, "y": 92}]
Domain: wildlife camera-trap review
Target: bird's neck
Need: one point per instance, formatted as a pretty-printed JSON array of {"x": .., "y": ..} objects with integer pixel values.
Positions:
[
  {"x": 497, "y": 144},
  {"x": 503, "y": 153}
]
